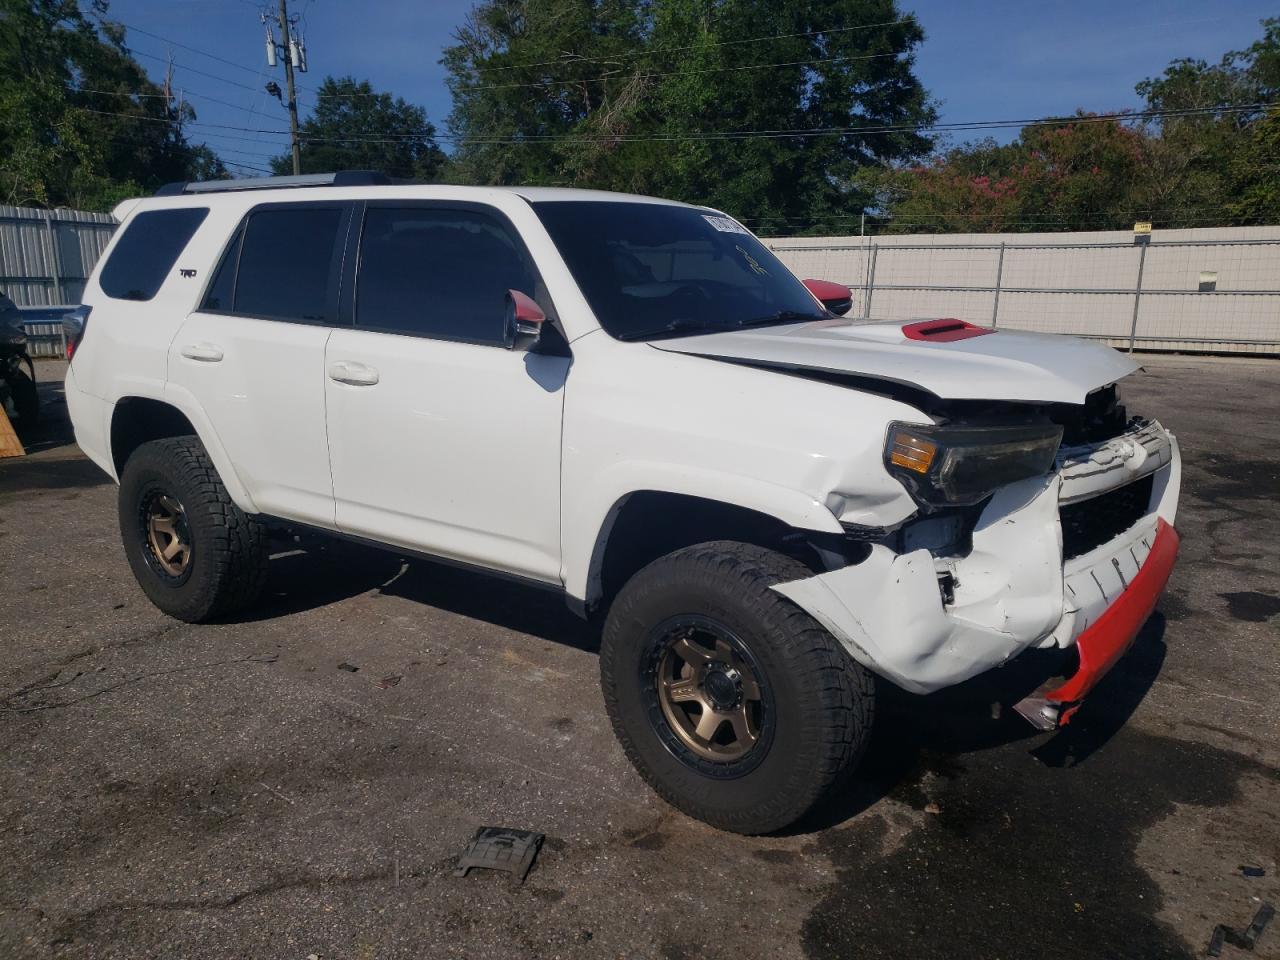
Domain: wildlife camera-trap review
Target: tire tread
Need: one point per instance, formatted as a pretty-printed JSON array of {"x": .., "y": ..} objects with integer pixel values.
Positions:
[{"x": 840, "y": 693}]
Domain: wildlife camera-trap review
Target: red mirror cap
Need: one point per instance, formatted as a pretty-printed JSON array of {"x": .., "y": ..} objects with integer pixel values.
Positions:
[
  {"x": 527, "y": 309},
  {"x": 826, "y": 291},
  {"x": 945, "y": 330}
]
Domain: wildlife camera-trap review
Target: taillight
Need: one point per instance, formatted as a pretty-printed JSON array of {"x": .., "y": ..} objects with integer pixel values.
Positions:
[{"x": 73, "y": 327}]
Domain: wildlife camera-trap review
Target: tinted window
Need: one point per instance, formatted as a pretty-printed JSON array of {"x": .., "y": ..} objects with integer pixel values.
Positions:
[
  {"x": 653, "y": 270},
  {"x": 222, "y": 291},
  {"x": 147, "y": 251},
  {"x": 287, "y": 263},
  {"x": 438, "y": 272}
]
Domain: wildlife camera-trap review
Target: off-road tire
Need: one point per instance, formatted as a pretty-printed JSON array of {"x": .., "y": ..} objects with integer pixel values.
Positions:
[
  {"x": 228, "y": 561},
  {"x": 823, "y": 700}
]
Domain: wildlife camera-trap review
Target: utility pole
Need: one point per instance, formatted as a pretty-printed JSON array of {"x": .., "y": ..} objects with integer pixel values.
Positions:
[
  {"x": 290, "y": 46},
  {"x": 293, "y": 50}
]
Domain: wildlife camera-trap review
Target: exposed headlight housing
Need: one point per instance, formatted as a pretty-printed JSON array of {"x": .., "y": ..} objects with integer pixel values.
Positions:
[{"x": 959, "y": 465}]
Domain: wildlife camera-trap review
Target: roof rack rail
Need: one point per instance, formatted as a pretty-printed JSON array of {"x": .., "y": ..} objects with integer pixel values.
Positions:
[{"x": 342, "y": 178}]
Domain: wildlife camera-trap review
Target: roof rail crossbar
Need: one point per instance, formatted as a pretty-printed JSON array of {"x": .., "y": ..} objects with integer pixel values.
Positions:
[{"x": 342, "y": 178}]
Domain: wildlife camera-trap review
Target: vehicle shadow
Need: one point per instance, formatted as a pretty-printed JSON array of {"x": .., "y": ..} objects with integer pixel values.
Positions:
[
  {"x": 53, "y": 428},
  {"x": 915, "y": 736},
  {"x": 311, "y": 570},
  {"x": 912, "y": 736}
]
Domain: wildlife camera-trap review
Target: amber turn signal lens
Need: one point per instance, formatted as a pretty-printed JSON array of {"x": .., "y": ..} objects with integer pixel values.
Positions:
[{"x": 912, "y": 452}]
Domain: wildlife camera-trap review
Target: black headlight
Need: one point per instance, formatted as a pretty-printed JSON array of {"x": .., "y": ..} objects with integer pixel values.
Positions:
[{"x": 962, "y": 464}]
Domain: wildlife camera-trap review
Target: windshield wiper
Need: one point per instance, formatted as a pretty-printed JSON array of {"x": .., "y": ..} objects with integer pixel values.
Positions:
[
  {"x": 675, "y": 327},
  {"x": 782, "y": 316},
  {"x": 684, "y": 325}
]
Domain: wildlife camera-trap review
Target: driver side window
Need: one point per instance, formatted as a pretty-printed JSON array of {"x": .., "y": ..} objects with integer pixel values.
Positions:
[{"x": 438, "y": 272}]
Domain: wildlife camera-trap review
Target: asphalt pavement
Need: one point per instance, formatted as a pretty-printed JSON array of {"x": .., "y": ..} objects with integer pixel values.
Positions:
[{"x": 230, "y": 790}]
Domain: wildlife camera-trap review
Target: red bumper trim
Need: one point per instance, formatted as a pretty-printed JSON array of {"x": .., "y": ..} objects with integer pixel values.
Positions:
[{"x": 1102, "y": 644}]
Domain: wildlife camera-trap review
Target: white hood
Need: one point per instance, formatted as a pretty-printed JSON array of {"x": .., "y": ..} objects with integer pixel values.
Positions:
[{"x": 1031, "y": 367}]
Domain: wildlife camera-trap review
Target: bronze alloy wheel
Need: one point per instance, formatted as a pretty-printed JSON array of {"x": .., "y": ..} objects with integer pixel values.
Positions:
[
  {"x": 168, "y": 536},
  {"x": 709, "y": 693}
]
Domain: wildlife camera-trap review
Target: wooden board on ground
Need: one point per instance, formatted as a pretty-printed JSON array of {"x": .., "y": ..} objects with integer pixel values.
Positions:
[{"x": 10, "y": 445}]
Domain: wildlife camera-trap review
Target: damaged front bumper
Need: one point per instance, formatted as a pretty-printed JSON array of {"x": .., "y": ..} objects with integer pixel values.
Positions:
[{"x": 1013, "y": 590}]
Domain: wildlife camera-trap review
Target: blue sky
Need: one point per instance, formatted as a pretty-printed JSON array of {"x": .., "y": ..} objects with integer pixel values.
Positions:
[{"x": 982, "y": 61}]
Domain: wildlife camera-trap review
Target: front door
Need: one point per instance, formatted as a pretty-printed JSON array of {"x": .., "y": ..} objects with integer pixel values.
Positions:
[{"x": 441, "y": 439}]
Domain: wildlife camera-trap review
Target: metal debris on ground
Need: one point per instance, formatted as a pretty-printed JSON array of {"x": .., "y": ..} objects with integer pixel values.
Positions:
[
  {"x": 349, "y": 667},
  {"x": 1223, "y": 934},
  {"x": 1252, "y": 871},
  {"x": 500, "y": 848},
  {"x": 1216, "y": 940},
  {"x": 388, "y": 682}
]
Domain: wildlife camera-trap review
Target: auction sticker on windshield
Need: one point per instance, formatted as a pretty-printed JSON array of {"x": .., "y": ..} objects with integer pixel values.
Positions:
[{"x": 725, "y": 225}]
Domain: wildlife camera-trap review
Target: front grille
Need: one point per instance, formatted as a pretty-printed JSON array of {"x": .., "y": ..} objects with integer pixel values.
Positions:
[{"x": 1091, "y": 523}]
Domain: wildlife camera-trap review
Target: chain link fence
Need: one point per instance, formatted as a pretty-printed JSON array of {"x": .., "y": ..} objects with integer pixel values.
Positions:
[{"x": 1212, "y": 291}]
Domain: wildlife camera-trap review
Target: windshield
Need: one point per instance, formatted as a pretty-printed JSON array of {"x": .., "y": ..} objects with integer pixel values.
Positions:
[{"x": 650, "y": 270}]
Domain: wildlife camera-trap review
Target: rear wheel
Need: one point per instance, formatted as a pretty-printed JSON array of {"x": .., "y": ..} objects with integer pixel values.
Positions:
[
  {"x": 195, "y": 554},
  {"x": 733, "y": 703}
]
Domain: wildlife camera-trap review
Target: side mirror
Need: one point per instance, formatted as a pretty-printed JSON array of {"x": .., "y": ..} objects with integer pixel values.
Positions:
[
  {"x": 524, "y": 321},
  {"x": 836, "y": 297}
]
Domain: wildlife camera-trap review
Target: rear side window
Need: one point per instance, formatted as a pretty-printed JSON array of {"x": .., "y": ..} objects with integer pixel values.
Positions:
[
  {"x": 221, "y": 295},
  {"x": 147, "y": 251},
  {"x": 288, "y": 262},
  {"x": 439, "y": 272}
]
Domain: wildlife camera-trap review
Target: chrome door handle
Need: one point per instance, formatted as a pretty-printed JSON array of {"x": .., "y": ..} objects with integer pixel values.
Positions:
[
  {"x": 353, "y": 374},
  {"x": 204, "y": 352}
]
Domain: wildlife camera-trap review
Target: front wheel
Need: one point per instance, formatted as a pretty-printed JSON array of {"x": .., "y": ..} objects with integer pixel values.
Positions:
[
  {"x": 733, "y": 703},
  {"x": 196, "y": 555}
]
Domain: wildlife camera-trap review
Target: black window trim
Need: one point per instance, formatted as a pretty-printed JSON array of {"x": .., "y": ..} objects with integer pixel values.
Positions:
[
  {"x": 235, "y": 240},
  {"x": 347, "y": 310},
  {"x": 164, "y": 278},
  {"x": 337, "y": 264}
]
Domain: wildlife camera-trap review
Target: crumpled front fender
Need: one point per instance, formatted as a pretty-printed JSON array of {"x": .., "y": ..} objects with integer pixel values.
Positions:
[{"x": 888, "y": 611}]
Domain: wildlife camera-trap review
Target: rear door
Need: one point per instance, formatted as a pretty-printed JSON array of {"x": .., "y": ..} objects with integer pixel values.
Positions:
[
  {"x": 440, "y": 437},
  {"x": 253, "y": 354}
]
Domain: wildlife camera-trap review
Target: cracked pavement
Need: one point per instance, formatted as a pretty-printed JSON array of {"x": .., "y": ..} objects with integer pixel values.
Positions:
[{"x": 226, "y": 791}]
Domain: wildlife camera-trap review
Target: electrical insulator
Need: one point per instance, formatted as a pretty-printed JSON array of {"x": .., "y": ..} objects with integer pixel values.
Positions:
[{"x": 271, "y": 49}]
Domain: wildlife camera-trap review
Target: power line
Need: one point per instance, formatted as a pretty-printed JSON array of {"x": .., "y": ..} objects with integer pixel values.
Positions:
[
  {"x": 181, "y": 46},
  {"x": 730, "y": 135},
  {"x": 187, "y": 94},
  {"x": 676, "y": 73},
  {"x": 630, "y": 55},
  {"x": 211, "y": 76}
]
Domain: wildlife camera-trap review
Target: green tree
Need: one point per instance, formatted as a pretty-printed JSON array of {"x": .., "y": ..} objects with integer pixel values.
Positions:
[
  {"x": 1209, "y": 156},
  {"x": 1256, "y": 170},
  {"x": 354, "y": 127},
  {"x": 80, "y": 123},
  {"x": 651, "y": 96},
  {"x": 1073, "y": 174}
]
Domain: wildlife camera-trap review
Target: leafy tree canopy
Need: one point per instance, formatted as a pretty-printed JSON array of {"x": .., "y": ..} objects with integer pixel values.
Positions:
[
  {"x": 1218, "y": 166},
  {"x": 80, "y": 123},
  {"x": 354, "y": 127},
  {"x": 647, "y": 97}
]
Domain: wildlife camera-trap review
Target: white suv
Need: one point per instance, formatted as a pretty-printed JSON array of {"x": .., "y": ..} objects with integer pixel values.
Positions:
[{"x": 631, "y": 402}]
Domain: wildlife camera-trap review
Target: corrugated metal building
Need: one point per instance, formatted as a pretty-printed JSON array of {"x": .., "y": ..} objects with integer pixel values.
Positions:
[{"x": 45, "y": 255}]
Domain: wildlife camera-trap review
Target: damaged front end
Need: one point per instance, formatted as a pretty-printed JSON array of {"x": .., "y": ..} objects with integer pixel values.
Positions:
[{"x": 1074, "y": 556}]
